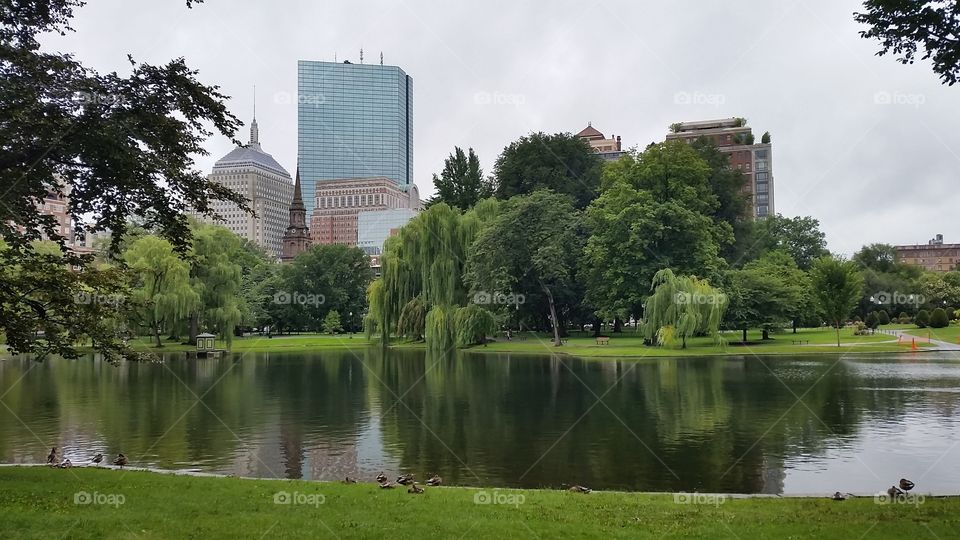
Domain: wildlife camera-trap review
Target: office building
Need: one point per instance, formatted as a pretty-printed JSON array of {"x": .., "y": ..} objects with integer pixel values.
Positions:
[
  {"x": 609, "y": 149},
  {"x": 733, "y": 137},
  {"x": 253, "y": 173},
  {"x": 374, "y": 227},
  {"x": 353, "y": 121},
  {"x": 338, "y": 203},
  {"x": 934, "y": 256}
]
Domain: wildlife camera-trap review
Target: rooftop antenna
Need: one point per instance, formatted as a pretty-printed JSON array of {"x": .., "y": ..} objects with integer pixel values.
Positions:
[
  {"x": 361, "y": 55},
  {"x": 334, "y": 57},
  {"x": 381, "y": 58},
  {"x": 254, "y": 102}
]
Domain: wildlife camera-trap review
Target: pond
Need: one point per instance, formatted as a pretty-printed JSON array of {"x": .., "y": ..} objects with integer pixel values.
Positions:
[{"x": 778, "y": 425}]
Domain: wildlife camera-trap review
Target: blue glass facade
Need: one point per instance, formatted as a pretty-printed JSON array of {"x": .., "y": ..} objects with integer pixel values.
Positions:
[{"x": 353, "y": 121}]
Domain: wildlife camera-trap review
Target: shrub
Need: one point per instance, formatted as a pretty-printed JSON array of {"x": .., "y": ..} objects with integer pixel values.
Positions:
[
  {"x": 860, "y": 329},
  {"x": 856, "y": 319},
  {"x": 903, "y": 318},
  {"x": 883, "y": 316},
  {"x": 873, "y": 321},
  {"x": 923, "y": 318},
  {"x": 939, "y": 319}
]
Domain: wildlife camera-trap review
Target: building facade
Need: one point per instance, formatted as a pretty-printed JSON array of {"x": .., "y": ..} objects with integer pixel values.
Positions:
[
  {"x": 253, "y": 173},
  {"x": 609, "y": 149},
  {"x": 934, "y": 256},
  {"x": 374, "y": 227},
  {"x": 733, "y": 137},
  {"x": 296, "y": 238},
  {"x": 353, "y": 121},
  {"x": 338, "y": 203}
]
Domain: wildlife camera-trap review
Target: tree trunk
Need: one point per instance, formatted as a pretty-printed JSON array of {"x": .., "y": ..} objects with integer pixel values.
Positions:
[
  {"x": 553, "y": 314},
  {"x": 766, "y": 334},
  {"x": 596, "y": 327},
  {"x": 838, "y": 333},
  {"x": 744, "y": 334},
  {"x": 194, "y": 328},
  {"x": 617, "y": 325},
  {"x": 794, "y": 326},
  {"x": 156, "y": 335}
]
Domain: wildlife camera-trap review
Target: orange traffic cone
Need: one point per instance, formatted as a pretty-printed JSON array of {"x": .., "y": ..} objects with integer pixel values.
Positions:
[{"x": 913, "y": 344}]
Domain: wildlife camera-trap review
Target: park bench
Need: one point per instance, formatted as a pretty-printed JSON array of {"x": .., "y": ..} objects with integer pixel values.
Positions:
[
  {"x": 800, "y": 341},
  {"x": 603, "y": 341}
]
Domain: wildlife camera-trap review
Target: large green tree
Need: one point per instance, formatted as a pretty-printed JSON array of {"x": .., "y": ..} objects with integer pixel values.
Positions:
[
  {"x": 328, "y": 278},
  {"x": 837, "y": 285},
  {"x": 767, "y": 293},
  {"x": 215, "y": 275},
  {"x": 903, "y": 26},
  {"x": 461, "y": 183},
  {"x": 562, "y": 162},
  {"x": 531, "y": 246},
  {"x": 119, "y": 145},
  {"x": 161, "y": 285},
  {"x": 800, "y": 237}
]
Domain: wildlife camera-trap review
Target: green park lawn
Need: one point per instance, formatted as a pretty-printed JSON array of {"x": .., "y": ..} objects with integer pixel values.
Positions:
[
  {"x": 622, "y": 345},
  {"x": 39, "y": 502},
  {"x": 950, "y": 334}
]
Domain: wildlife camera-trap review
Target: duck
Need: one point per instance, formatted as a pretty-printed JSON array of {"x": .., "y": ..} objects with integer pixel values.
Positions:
[
  {"x": 381, "y": 478},
  {"x": 434, "y": 481},
  {"x": 405, "y": 479},
  {"x": 414, "y": 488},
  {"x": 386, "y": 485},
  {"x": 579, "y": 489},
  {"x": 65, "y": 464},
  {"x": 349, "y": 480},
  {"x": 894, "y": 492},
  {"x": 52, "y": 457},
  {"x": 121, "y": 460},
  {"x": 97, "y": 458},
  {"x": 906, "y": 485}
]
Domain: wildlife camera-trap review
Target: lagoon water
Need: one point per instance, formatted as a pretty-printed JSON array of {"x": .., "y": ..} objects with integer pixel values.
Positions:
[{"x": 777, "y": 425}]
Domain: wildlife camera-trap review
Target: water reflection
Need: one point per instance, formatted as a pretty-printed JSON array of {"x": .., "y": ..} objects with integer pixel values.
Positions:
[{"x": 773, "y": 425}]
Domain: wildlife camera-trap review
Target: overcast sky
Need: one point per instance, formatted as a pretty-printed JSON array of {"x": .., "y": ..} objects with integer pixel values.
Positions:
[{"x": 866, "y": 145}]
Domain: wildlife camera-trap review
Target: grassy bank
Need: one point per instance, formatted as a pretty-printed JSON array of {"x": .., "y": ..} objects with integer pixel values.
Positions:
[
  {"x": 950, "y": 334},
  {"x": 38, "y": 502},
  {"x": 627, "y": 344}
]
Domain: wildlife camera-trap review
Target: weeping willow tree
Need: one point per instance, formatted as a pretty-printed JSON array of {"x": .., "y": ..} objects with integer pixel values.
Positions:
[
  {"x": 682, "y": 307},
  {"x": 473, "y": 324},
  {"x": 425, "y": 261},
  {"x": 161, "y": 291}
]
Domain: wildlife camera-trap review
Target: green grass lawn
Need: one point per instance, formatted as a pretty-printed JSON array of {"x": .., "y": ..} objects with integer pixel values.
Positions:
[
  {"x": 38, "y": 502},
  {"x": 622, "y": 345},
  {"x": 950, "y": 334},
  {"x": 629, "y": 344}
]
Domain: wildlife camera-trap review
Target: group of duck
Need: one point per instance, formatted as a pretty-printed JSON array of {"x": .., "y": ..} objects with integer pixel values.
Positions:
[
  {"x": 403, "y": 480},
  {"x": 894, "y": 492},
  {"x": 120, "y": 461}
]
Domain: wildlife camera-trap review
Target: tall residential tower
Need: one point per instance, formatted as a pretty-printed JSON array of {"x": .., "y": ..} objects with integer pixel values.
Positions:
[
  {"x": 253, "y": 173},
  {"x": 353, "y": 121},
  {"x": 732, "y": 137}
]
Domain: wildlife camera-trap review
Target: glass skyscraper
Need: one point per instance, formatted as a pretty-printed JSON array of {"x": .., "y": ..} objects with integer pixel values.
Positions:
[{"x": 353, "y": 121}]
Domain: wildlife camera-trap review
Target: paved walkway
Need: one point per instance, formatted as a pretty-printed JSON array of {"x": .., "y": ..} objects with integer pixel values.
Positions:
[{"x": 939, "y": 345}]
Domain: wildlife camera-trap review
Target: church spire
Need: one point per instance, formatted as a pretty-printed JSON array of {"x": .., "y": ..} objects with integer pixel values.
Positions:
[{"x": 297, "y": 195}]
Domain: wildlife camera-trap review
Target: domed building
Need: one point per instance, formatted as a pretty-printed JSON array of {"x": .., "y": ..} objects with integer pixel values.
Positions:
[{"x": 253, "y": 173}]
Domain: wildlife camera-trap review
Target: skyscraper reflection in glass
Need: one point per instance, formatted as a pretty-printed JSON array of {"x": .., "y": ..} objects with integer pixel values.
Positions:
[{"x": 353, "y": 121}]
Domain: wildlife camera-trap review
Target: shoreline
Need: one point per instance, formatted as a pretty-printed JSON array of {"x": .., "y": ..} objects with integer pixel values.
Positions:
[{"x": 200, "y": 474}]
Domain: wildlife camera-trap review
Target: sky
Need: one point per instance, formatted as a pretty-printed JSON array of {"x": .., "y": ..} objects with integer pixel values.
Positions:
[{"x": 866, "y": 145}]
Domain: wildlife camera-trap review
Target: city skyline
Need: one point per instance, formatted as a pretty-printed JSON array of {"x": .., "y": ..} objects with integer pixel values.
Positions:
[{"x": 846, "y": 149}]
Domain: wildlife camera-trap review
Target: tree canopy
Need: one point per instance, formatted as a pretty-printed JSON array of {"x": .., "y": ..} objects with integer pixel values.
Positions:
[{"x": 562, "y": 162}]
